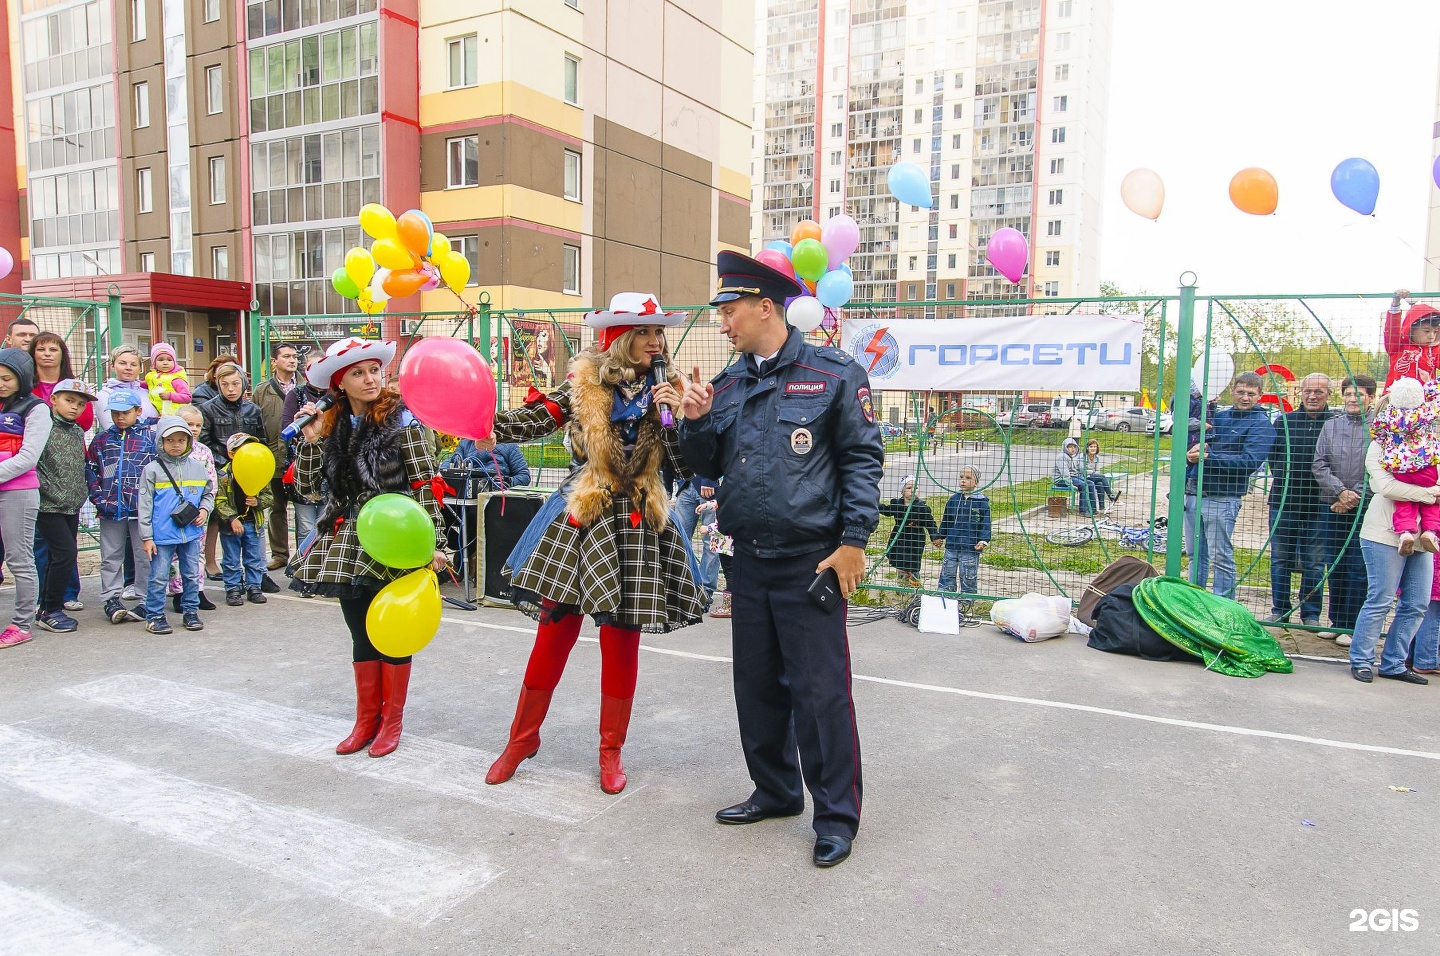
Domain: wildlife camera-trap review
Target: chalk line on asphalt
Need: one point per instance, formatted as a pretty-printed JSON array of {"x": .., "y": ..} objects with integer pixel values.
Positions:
[
  {"x": 36, "y": 925},
  {"x": 446, "y": 769}
]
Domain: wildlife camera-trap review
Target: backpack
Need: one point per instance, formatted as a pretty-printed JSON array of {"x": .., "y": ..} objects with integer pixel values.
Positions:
[
  {"x": 1126, "y": 569},
  {"x": 1119, "y": 629}
]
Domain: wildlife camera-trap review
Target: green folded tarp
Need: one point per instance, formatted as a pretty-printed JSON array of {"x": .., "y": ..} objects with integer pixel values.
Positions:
[{"x": 1220, "y": 630}]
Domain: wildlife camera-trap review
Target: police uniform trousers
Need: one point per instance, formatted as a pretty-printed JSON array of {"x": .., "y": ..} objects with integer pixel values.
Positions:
[{"x": 792, "y": 689}]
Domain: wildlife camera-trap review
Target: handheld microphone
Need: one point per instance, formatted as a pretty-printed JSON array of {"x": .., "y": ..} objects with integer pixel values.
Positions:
[
  {"x": 291, "y": 430},
  {"x": 657, "y": 375}
]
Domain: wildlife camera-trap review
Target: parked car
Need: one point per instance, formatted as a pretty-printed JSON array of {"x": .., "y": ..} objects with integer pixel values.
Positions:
[
  {"x": 1132, "y": 419},
  {"x": 1029, "y": 416},
  {"x": 1167, "y": 424}
]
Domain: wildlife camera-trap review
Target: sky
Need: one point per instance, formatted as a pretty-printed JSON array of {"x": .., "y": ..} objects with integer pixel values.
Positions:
[{"x": 1201, "y": 90}]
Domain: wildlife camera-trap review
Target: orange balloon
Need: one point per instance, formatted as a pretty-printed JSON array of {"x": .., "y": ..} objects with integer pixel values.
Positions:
[
  {"x": 1255, "y": 191},
  {"x": 805, "y": 229},
  {"x": 404, "y": 283},
  {"x": 810, "y": 284},
  {"x": 414, "y": 233}
]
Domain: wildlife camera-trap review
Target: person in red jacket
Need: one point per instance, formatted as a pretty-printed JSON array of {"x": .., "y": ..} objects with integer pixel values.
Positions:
[{"x": 1412, "y": 340}]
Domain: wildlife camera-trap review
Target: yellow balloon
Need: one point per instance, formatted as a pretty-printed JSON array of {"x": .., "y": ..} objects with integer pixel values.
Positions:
[
  {"x": 455, "y": 271},
  {"x": 439, "y": 248},
  {"x": 390, "y": 254},
  {"x": 359, "y": 266},
  {"x": 377, "y": 221},
  {"x": 253, "y": 466},
  {"x": 405, "y": 615}
]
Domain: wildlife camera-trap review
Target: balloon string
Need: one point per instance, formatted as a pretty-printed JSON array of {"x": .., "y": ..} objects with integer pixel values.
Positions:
[{"x": 501, "y": 482}]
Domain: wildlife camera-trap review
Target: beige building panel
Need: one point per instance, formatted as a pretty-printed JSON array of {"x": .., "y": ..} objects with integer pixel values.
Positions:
[
  {"x": 691, "y": 126},
  {"x": 556, "y": 16},
  {"x": 736, "y": 98},
  {"x": 534, "y": 56},
  {"x": 733, "y": 19},
  {"x": 434, "y": 52},
  {"x": 636, "y": 36},
  {"x": 694, "y": 73},
  {"x": 632, "y": 100}
]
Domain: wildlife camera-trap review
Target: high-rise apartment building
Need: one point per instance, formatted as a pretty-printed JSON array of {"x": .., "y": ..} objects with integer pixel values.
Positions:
[
  {"x": 1432, "y": 231},
  {"x": 1001, "y": 101}
]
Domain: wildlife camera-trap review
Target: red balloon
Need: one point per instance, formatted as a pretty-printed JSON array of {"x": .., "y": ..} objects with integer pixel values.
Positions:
[
  {"x": 448, "y": 386},
  {"x": 405, "y": 282},
  {"x": 777, "y": 260}
]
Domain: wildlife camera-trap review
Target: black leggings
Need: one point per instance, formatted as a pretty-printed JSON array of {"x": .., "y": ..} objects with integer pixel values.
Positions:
[
  {"x": 354, "y": 610},
  {"x": 726, "y": 560},
  {"x": 59, "y": 532}
]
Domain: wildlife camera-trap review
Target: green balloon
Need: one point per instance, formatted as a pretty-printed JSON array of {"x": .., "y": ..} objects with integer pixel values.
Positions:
[
  {"x": 396, "y": 531},
  {"x": 810, "y": 259},
  {"x": 343, "y": 284}
]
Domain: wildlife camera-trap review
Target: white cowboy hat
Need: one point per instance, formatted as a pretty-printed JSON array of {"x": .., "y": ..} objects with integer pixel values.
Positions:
[
  {"x": 633, "y": 308},
  {"x": 345, "y": 353}
]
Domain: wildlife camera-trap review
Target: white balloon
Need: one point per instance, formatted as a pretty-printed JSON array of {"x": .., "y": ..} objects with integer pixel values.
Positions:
[
  {"x": 805, "y": 313},
  {"x": 377, "y": 285},
  {"x": 1143, "y": 193},
  {"x": 1222, "y": 370}
]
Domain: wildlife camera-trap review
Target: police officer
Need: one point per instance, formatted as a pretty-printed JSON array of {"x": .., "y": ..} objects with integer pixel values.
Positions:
[{"x": 791, "y": 428}]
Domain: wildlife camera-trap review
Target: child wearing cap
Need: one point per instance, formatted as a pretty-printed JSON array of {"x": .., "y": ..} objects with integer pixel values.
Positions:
[
  {"x": 113, "y": 464},
  {"x": 61, "y": 471},
  {"x": 242, "y": 523},
  {"x": 24, "y": 429},
  {"x": 166, "y": 381},
  {"x": 172, "y": 480},
  {"x": 201, "y": 453}
]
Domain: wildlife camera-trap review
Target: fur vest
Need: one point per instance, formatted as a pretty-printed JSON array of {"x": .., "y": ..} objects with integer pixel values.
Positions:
[
  {"x": 605, "y": 472},
  {"x": 362, "y": 461}
]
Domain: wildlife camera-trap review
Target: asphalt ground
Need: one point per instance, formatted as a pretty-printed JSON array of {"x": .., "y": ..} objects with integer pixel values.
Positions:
[{"x": 180, "y": 795}]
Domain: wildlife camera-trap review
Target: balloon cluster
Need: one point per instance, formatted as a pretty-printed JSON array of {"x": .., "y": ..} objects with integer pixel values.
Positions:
[
  {"x": 407, "y": 256},
  {"x": 815, "y": 256}
]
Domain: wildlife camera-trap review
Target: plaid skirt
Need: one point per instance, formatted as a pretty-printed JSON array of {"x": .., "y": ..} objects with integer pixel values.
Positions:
[
  {"x": 337, "y": 566},
  {"x": 615, "y": 570}
]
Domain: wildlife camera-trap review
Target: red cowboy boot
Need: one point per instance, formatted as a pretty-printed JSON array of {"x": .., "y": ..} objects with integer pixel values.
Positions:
[
  {"x": 614, "y": 721},
  {"x": 367, "y": 708},
  {"x": 396, "y": 679},
  {"x": 524, "y": 734}
]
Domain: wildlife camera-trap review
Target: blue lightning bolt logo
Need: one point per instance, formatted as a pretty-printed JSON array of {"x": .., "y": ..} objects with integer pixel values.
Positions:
[{"x": 877, "y": 348}]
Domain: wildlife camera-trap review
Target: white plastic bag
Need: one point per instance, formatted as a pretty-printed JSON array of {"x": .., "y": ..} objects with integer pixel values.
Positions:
[
  {"x": 1032, "y": 618},
  {"x": 939, "y": 615}
]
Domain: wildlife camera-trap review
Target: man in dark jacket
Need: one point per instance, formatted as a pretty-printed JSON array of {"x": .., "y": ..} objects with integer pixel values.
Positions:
[
  {"x": 791, "y": 428},
  {"x": 1217, "y": 478},
  {"x": 270, "y": 396},
  {"x": 1297, "y": 526},
  {"x": 1339, "y": 470},
  {"x": 503, "y": 467},
  {"x": 230, "y": 413}
]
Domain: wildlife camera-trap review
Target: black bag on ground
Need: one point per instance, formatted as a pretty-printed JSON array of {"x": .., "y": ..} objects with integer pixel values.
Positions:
[
  {"x": 1119, "y": 629},
  {"x": 1126, "y": 569}
]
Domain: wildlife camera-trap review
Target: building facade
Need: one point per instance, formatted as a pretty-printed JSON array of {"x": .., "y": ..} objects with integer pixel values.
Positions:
[
  {"x": 1001, "y": 101},
  {"x": 1432, "y": 230}
]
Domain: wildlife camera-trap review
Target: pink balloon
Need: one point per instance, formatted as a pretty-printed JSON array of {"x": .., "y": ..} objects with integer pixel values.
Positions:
[
  {"x": 448, "y": 386},
  {"x": 7, "y": 262},
  {"x": 777, "y": 260},
  {"x": 432, "y": 280},
  {"x": 1008, "y": 252},
  {"x": 840, "y": 236}
]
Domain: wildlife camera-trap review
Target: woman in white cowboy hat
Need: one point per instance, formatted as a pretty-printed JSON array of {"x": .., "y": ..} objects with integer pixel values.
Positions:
[
  {"x": 603, "y": 544},
  {"x": 367, "y": 444}
]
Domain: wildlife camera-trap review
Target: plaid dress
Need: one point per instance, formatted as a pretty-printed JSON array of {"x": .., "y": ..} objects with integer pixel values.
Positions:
[
  {"x": 336, "y": 563},
  {"x": 619, "y": 570}
]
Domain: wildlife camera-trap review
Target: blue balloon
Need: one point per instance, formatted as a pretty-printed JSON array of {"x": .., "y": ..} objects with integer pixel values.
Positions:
[
  {"x": 780, "y": 245},
  {"x": 834, "y": 289},
  {"x": 910, "y": 184},
  {"x": 845, "y": 268},
  {"x": 1356, "y": 184}
]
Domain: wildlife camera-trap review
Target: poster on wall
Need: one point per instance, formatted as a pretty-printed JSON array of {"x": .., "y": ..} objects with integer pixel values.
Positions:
[
  {"x": 537, "y": 355},
  {"x": 1010, "y": 353}
]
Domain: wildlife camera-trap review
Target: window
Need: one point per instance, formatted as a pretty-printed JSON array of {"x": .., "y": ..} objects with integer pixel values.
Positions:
[
  {"x": 837, "y": 129},
  {"x": 954, "y": 231},
  {"x": 834, "y": 185},
  {"x": 1052, "y": 289},
  {"x": 920, "y": 85},
  {"x": 469, "y": 247},
  {"x": 573, "y": 4},
  {"x": 915, "y": 146},
  {"x": 217, "y": 180},
  {"x": 954, "y": 170},
  {"x": 955, "y": 141},
  {"x": 1057, "y": 166},
  {"x": 144, "y": 197},
  {"x": 572, "y": 175},
  {"x": 950, "y": 263},
  {"x": 1052, "y": 228},
  {"x": 147, "y": 262},
  {"x": 461, "y": 55},
  {"x": 1061, "y": 104},
  {"x": 220, "y": 262},
  {"x": 572, "y": 270},
  {"x": 1062, "y": 71},
  {"x": 911, "y": 292},
  {"x": 836, "y": 157},
  {"x": 1057, "y": 135},
  {"x": 920, "y": 116},
  {"x": 958, "y": 110},
  {"x": 950, "y": 286},
  {"x": 954, "y": 200},
  {"x": 839, "y": 101},
  {"x": 1062, "y": 41},
  {"x": 914, "y": 262},
  {"x": 214, "y": 90},
  {"x": 137, "y": 20},
  {"x": 212, "y": 10},
  {"x": 832, "y": 212},
  {"x": 1062, "y": 9},
  {"x": 959, "y": 81},
  {"x": 1052, "y": 258},
  {"x": 1057, "y": 197},
  {"x": 142, "y": 105},
  {"x": 462, "y": 161},
  {"x": 572, "y": 80}
]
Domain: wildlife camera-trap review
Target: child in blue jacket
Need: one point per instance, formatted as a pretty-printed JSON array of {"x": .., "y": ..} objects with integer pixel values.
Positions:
[
  {"x": 113, "y": 463},
  {"x": 172, "y": 479},
  {"x": 965, "y": 532}
]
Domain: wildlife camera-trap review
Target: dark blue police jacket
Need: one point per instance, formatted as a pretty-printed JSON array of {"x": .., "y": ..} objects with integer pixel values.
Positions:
[{"x": 799, "y": 450}]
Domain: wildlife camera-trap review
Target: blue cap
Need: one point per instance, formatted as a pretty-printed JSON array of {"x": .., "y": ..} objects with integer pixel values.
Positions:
[
  {"x": 741, "y": 276},
  {"x": 122, "y": 400}
]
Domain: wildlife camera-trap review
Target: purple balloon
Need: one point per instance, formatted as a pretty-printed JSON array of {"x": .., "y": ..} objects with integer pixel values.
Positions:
[
  {"x": 840, "y": 236},
  {"x": 1008, "y": 252},
  {"x": 1435, "y": 171},
  {"x": 7, "y": 262}
]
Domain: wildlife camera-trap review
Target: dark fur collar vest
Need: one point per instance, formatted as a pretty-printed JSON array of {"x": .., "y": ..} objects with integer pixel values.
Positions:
[{"x": 362, "y": 461}]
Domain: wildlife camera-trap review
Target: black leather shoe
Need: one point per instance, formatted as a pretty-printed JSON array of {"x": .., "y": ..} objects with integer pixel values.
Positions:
[
  {"x": 1363, "y": 674},
  {"x": 749, "y": 812},
  {"x": 1408, "y": 676},
  {"x": 268, "y": 586},
  {"x": 830, "y": 850}
]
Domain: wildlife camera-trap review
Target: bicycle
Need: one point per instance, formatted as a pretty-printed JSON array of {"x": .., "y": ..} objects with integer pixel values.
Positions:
[{"x": 1139, "y": 537}]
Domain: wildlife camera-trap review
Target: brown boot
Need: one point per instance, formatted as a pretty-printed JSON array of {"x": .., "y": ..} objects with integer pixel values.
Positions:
[
  {"x": 367, "y": 708},
  {"x": 614, "y": 722},
  {"x": 524, "y": 734},
  {"x": 723, "y": 608},
  {"x": 396, "y": 685}
]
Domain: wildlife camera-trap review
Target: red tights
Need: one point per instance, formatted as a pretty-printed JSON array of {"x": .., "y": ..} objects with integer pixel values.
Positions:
[{"x": 619, "y": 656}]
